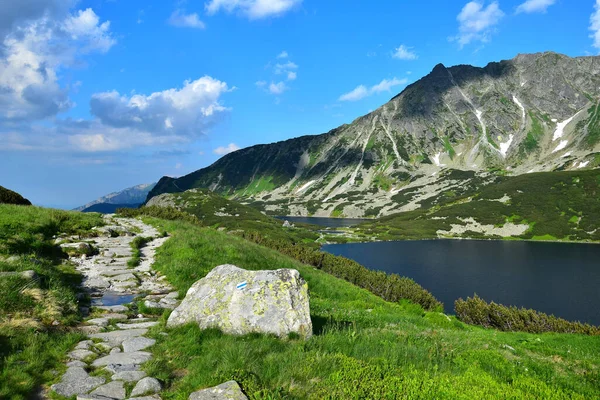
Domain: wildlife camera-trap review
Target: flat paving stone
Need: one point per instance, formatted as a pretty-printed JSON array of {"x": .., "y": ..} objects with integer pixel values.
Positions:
[
  {"x": 101, "y": 322},
  {"x": 116, "y": 368},
  {"x": 117, "y": 308},
  {"x": 116, "y": 338},
  {"x": 128, "y": 376},
  {"x": 84, "y": 345},
  {"x": 76, "y": 363},
  {"x": 76, "y": 381},
  {"x": 137, "y": 344},
  {"x": 134, "y": 357},
  {"x": 146, "y": 385},
  {"x": 81, "y": 354},
  {"x": 149, "y": 324},
  {"x": 113, "y": 390},
  {"x": 152, "y": 397}
]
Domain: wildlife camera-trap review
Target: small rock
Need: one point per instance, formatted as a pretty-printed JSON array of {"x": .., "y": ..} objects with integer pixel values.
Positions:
[
  {"x": 118, "y": 308},
  {"x": 152, "y": 397},
  {"x": 113, "y": 390},
  {"x": 116, "y": 338},
  {"x": 102, "y": 322},
  {"x": 90, "y": 329},
  {"x": 507, "y": 347},
  {"x": 116, "y": 368},
  {"x": 84, "y": 345},
  {"x": 146, "y": 386},
  {"x": 81, "y": 354},
  {"x": 128, "y": 376},
  {"x": 76, "y": 363},
  {"x": 115, "y": 350},
  {"x": 92, "y": 397},
  {"x": 225, "y": 391}
]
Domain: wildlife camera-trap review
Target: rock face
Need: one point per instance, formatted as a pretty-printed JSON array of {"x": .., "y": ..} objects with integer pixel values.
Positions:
[
  {"x": 225, "y": 391},
  {"x": 239, "y": 302}
]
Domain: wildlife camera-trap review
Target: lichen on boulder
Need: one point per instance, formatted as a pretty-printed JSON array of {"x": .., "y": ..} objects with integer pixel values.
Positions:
[{"x": 238, "y": 302}]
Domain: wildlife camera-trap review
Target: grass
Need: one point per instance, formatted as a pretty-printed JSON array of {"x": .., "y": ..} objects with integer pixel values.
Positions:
[
  {"x": 136, "y": 245},
  {"x": 363, "y": 346},
  {"x": 35, "y": 314}
]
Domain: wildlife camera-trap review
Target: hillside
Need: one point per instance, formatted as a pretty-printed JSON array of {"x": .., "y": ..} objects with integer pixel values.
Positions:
[
  {"x": 533, "y": 113},
  {"x": 7, "y": 196},
  {"x": 132, "y": 196},
  {"x": 108, "y": 208},
  {"x": 540, "y": 206}
]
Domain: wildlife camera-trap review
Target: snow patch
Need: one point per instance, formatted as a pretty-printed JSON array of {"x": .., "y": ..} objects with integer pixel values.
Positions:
[
  {"x": 567, "y": 154},
  {"x": 522, "y": 110},
  {"x": 560, "y": 127},
  {"x": 305, "y": 186},
  {"x": 554, "y": 120},
  {"x": 506, "y": 145},
  {"x": 582, "y": 164},
  {"x": 436, "y": 160},
  {"x": 561, "y": 145}
]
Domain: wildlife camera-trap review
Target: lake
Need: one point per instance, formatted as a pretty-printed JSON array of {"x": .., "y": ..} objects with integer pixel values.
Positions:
[
  {"x": 323, "y": 221},
  {"x": 556, "y": 278}
]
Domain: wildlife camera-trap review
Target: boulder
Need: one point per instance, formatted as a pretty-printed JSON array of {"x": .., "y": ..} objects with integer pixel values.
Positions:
[
  {"x": 239, "y": 302},
  {"x": 225, "y": 391},
  {"x": 146, "y": 385},
  {"x": 76, "y": 381}
]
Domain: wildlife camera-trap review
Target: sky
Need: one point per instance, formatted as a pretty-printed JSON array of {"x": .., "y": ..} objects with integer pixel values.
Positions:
[{"x": 100, "y": 95}]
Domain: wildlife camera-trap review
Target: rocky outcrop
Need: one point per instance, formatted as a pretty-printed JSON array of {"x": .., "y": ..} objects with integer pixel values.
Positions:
[
  {"x": 239, "y": 302},
  {"x": 225, "y": 391}
]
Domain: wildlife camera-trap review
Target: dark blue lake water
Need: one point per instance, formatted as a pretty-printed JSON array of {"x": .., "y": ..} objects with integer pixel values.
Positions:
[
  {"x": 556, "y": 278},
  {"x": 325, "y": 222}
]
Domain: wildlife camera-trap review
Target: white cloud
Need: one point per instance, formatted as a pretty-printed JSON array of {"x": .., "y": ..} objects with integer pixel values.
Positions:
[
  {"x": 404, "y": 53},
  {"x": 595, "y": 25},
  {"x": 227, "y": 149},
  {"x": 182, "y": 20},
  {"x": 358, "y": 93},
  {"x": 361, "y": 91},
  {"x": 291, "y": 76},
  {"x": 284, "y": 68},
  {"x": 253, "y": 9},
  {"x": 182, "y": 112},
  {"x": 261, "y": 83},
  {"x": 533, "y": 6},
  {"x": 283, "y": 54},
  {"x": 32, "y": 52},
  {"x": 476, "y": 22},
  {"x": 277, "y": 88}
]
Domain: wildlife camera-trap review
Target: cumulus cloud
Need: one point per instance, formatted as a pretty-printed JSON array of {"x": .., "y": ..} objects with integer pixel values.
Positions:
[
  {"x": 595, "y": 25},
  {"x": 277, "y": 88},
  {"x": 476, "y": 22},
  {"x": 182, "y": 20},
  {"x": 34, "y": 47},
  {"x": 361, "y": 91},
  {"x": 533, "y": 6},
  {"x": 252, "y": 9},
  {"x": 230, "y": 148},
  {"x": 283, "y": 54},
  {"x": 181, "y": 112},
  {"x": 404, "y": 53},
  {"x": 291, "y": 76}
]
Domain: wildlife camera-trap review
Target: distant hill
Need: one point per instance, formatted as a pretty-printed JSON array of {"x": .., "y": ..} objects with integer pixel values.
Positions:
[
  {"x": 108, "y": 208},
  {"x": 9, "y": 197},
  {"x": 130, "y": 197}
]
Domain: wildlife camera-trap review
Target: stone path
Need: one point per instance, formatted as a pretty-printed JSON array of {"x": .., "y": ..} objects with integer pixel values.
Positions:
[{"x": 107, "y": 365}]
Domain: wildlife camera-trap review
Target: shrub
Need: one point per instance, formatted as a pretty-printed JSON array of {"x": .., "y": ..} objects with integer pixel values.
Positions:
[
  {"x": 9, "y": 197},
  {"x": 475, "y": 311},
  {"x": 168, "y": 213}
]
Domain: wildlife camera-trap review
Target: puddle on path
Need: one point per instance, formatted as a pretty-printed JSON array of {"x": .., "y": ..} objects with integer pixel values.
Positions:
[{"x": 113, "y": 299}]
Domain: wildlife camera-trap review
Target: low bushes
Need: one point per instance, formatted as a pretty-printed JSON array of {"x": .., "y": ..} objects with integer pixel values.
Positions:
[
  {"x": 168, "y": 213},
  {"x": 389, "y": 287},
  {"x": 476, "y": 311}
]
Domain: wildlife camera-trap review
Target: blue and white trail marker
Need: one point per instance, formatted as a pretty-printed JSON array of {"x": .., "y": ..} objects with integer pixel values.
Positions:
[{"x": 241, "y": 285}]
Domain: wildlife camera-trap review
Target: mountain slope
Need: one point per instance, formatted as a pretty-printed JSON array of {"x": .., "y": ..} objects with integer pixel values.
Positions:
[
  {"x": 536, "y": 112},
  {"x": 134, "y": 195},
  {"x": 7, "y": 196}
]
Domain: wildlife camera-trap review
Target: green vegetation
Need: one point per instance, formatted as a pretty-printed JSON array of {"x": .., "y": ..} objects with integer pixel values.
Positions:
[
  {"x": 548, "y": 202},
  {"x": 531, "y": 142},
  {"x": 36, "y": 312},
  {"x": 476, "y": 311},
  {"x": 593, "y": 126},
  {"x": 136, "y": 246},
  {"x": 363, "y": 346},
  {"x": 449, "y": 148},
  {"x": 383, "y": 182},
  {"x": 9, "y": 197}
]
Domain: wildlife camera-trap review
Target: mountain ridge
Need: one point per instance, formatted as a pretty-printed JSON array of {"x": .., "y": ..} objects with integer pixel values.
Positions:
[
  {"x": 133, "y": 195},
  {"x": 535, "y": 112}
]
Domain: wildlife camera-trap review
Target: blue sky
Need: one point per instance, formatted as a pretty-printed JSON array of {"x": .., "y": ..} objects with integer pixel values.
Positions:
[{"x": 100, "y": 95}]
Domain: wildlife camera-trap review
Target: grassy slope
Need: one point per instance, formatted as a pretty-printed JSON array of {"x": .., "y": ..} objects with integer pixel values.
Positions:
[
  {"x": 31, "y": 347},
  {"x": 7, "y": 196},
  {"x": 363, "y": 346},
  {"x": 556, "y": 205}
]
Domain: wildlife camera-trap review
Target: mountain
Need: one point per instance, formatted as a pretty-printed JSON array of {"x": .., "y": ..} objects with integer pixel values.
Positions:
[
  {"x": 7, "y": 196},
  {"x": 536, "y": 112},
  {"x": 129, "y": 197}
]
